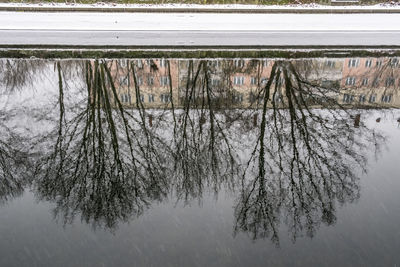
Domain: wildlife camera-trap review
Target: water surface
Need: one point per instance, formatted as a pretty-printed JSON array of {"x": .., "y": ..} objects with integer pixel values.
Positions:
[{"x": 194, "y": 162}]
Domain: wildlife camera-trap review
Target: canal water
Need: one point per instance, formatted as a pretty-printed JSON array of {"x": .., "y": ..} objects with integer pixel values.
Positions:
[{"x": 200, "y": 162}]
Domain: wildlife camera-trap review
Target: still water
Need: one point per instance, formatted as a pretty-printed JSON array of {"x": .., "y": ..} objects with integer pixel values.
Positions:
[{"x": 200, "y": 162}]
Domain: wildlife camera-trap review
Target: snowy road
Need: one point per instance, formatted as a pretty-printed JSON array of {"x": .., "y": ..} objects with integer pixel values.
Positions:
[{"x": 198, "y": 29}]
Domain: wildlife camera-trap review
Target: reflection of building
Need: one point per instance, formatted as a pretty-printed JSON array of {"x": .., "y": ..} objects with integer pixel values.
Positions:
[
  {"x": 152, "y": 84},
  {"x": 325, "y": 72},
  {"x": 371, "y": 81},
  {"x": 236, "y": 82},
  {"x": 232, "y": 82}
]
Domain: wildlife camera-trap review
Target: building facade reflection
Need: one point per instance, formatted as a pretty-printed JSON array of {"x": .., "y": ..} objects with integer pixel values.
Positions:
[{"x": 362, "y": 82}]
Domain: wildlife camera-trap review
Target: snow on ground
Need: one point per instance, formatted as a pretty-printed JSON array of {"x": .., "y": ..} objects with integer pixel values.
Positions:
[{"x": 197, "y": 6}]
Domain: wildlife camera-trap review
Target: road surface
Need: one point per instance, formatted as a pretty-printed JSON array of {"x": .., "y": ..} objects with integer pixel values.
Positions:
[{"x": 157, "y": 29}]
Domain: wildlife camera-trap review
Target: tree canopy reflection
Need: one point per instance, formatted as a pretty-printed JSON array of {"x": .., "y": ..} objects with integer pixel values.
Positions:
[
  {"x": 288, "y": 148},
  {"x": 14, "y": 163}
]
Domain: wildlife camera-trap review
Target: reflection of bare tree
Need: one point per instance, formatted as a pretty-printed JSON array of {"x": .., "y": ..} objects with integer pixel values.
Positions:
[
  {"x": 15, "y": 156},
  {"x": 203, "y": 153},
  {"x": 93, "y": 167},
  {"x": 304, "y": 162},
  {"x": 13, "y": 162},
  {"x": 15, "y": 74}
]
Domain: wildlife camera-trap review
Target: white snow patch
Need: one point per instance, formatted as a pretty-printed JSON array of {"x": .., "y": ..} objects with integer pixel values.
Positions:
[{"x": 197, "y": 6}]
